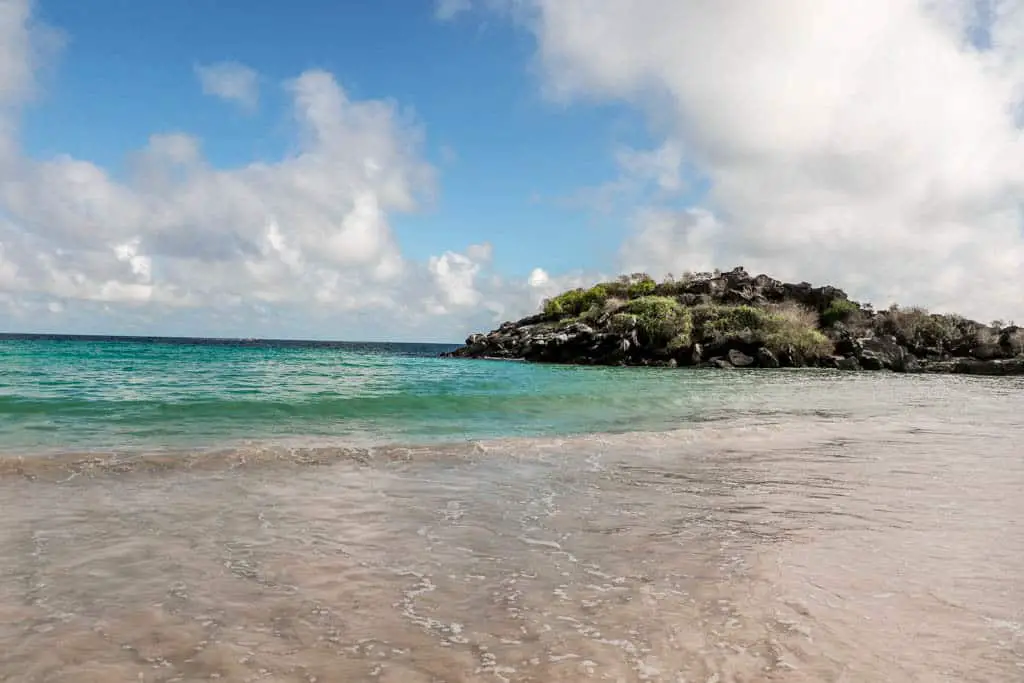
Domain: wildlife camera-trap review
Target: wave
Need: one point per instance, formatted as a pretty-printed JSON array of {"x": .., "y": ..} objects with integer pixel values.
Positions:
[{"x": 719, "y": 433}]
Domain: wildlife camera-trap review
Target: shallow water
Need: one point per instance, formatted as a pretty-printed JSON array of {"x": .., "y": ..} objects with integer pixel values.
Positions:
[
  {"x": 804, "y": 527},
  {"x": 145, "y": 395}
]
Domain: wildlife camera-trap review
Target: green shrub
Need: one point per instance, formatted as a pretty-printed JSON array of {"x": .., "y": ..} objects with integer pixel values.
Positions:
[
  {"x": 576, "y": 301},
  {"x": 591, "y": 315},
  {"x": 807, "y": 341},
  {"x": 779, "y": 328},
  {"x": 641, "y": 288},
  {"x": 616, "y": 289},
  {"x": 621, "y": 323},
  {"x": 613, "y": 304},
  {"x": 917, "y": 328},
  {"x": 713, "y": 321},
  {"x": 661, "y": 319},
  {"x": 678, "y": 342},
  {"x": 838, "y": 311},
  {"x": 1016, "y": 339}
]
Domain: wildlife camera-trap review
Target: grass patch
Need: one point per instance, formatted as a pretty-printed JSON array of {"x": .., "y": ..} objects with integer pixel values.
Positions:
[
  {"x": 779, "y": 328},
  {"x": 916, "y": 328},
  {"x": 661, "y": 320},
  {"x": 641, "y": 288},
  {"x": 839, "y": 311},
  {"x": 622, "y": 323},
  {"x": 576, "y": 301},
  {"x": 712, "y": 321}
]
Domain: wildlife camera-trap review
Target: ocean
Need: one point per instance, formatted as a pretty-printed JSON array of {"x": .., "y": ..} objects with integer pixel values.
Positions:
[{"x": 243, "y": 510}]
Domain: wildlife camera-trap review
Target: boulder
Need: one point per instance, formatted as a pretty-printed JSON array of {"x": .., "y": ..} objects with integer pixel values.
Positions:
[
  {"x": 847, "y": 363},
  {"x": 883, "y": 353},
  {"x": 1011, "y": 366},
  {"x": 988, "y": 351},
  {"x": 766, "y": 359},
  {"x": 973, "y": 366},
  {"x": 697, "y": 354},
  {"x": 739, "y": 359}
]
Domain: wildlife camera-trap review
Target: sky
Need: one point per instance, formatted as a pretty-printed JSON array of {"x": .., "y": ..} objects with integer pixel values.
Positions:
[{"x": 419, "y": 170}]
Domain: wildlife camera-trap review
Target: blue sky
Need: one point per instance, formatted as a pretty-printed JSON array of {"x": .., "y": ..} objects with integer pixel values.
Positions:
[
  {"x": 392, "y": 170},
  {"x": 507, "y": 154}
]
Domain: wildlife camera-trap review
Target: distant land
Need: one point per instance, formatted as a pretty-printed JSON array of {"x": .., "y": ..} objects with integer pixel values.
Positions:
[{"x": 734, "y": 320}]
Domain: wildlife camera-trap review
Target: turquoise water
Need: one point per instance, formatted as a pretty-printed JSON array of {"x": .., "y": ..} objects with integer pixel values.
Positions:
[{"x": 85, "y": 395}]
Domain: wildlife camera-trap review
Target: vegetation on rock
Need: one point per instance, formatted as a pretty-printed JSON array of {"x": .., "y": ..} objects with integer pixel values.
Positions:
[{"x": 731, "y": 318}]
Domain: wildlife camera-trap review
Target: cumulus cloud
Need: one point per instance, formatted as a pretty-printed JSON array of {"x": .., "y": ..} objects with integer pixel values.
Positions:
[
  {"x": 302, "y": 245},
  {"x": 311, "y": 225},
  {"x": 875, "y": 145},
  {"x": 230, "y": 81}
]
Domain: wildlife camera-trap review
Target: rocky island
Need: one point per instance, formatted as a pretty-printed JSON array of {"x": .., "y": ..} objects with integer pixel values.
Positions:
[{"x": 733, "y": 320}]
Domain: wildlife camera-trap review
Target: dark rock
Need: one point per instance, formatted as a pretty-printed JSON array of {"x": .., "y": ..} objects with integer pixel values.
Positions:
[
  {"x": 789, "y": 357},
  {"x": 697, "y": 354},
  {"x": 847, "y": 363},
  {"x": 536, "y": 319},
  {"x": 971, "y": 366},
  {"x": 988, "y": 351},
  {"x": 878, "y": 353},
  {"x": 745, "y": 342},
  {"x": 1009, "y": 340},
  {"x": 739, "y": 359},
  {"x": 910, "y": 364},
  {"x": 721, "y": 364},
  {"x": 766, "y": 359},
  {"x": 869, "y": 361}
]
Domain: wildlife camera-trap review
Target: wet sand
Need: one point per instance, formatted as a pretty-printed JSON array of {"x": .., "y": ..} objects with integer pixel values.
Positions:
[{"x": 772, "y": 548}]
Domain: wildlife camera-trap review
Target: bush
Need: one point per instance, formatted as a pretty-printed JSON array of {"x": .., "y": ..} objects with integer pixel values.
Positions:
[
  {"x": 1016, "y": 339},
  {"x": 916, "y": 328},
  {"x": 576, "y": 301},
  {"x": 661, "y": 319},
  {"x": 779, "y": 328},
  {"x": 613, "y": 304},
  {"x": 617, "y": 289},
  {"x": 795, "y": 327},
  {"x": 641, "y": 288},
  {"x": 839, "y": 311},
  {"x": 621, "y": 323},
  {"x": 713, "y": 321},
  {"x": 987, "y": 336}
]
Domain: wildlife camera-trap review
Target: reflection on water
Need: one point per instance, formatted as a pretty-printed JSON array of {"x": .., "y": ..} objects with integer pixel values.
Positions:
[{"x": 799, "y": 549}]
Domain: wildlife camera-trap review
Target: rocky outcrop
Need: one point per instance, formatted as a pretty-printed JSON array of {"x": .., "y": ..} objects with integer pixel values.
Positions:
[
  {"x": 973, "y": 366},
  {"x": 734, "y": 320}
]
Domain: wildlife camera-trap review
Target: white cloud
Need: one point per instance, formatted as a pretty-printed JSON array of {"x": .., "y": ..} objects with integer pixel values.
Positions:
[
  {"x": 230, "y": 81},
  {"x": 672, "y": 241},
  {"x": 15, "y": 51},
  {"x": 454, "y": 275},
  {"x": 868, "y": 144},
  {"x": 448, "y": 9},
  {"x": 181, "y": 231},
  {"x": 302, "y": 246}
]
